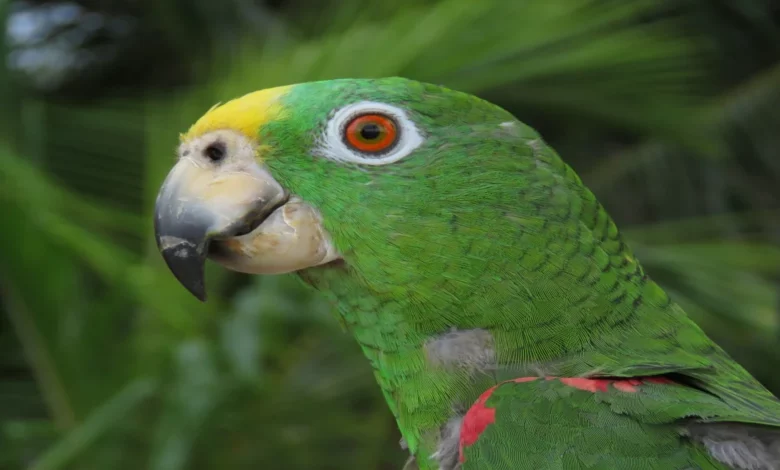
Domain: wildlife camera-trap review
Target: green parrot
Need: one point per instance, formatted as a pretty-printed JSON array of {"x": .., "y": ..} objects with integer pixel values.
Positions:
[{"x": 507, "y": 322}]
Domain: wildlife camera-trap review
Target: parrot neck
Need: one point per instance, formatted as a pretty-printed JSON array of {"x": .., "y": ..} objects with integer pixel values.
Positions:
[{"x": 420, "y": 397}]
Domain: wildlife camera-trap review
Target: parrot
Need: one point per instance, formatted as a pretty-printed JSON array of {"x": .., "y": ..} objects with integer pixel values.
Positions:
[{"x": 506, "y": 321}]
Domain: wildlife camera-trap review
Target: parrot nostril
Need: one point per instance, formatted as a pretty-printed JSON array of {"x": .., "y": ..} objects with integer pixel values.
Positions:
[{"x": 215, "y": 152}]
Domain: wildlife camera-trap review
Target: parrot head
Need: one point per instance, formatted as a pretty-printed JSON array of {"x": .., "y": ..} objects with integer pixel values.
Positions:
[{"x": 379, "y": 177}]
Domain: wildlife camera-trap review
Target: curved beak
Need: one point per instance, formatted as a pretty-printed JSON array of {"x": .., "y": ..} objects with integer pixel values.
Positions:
[{"x": 197, "y": 205}]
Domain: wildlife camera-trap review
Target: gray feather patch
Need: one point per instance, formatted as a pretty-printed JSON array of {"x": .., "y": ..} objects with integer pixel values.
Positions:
[
  {"x": 741, "y": 447},
  {"x": 468, "y": 349}
]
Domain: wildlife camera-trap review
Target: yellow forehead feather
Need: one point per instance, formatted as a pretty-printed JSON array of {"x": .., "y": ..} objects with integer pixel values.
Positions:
[{"x": 246, "y": 114}]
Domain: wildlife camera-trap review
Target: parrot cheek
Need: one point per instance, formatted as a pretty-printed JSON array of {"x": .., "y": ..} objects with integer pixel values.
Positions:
[{"x": 290, "y": 239}]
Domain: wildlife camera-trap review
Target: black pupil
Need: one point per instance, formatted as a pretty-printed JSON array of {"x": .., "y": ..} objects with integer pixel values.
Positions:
[
  {"x": 370, "y": 131},
  {"x": 215, "y": 151}
]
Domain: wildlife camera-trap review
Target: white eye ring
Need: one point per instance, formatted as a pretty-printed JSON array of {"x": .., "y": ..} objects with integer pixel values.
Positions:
[{"x": 332, "y": 144}]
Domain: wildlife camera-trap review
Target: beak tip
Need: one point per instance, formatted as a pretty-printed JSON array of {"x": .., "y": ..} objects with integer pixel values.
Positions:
[
  {"x": 187, "y": 265},
  {"x": 198, "y": 290}
]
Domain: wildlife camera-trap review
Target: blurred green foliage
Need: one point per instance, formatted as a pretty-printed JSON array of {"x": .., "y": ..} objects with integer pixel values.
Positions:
[{"x": 667, "y": 109}]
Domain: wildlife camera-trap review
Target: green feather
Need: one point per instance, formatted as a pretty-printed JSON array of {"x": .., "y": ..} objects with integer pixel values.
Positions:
[
  {"x": 545, "y": 424},
  {"x": 485, "y": 227}
]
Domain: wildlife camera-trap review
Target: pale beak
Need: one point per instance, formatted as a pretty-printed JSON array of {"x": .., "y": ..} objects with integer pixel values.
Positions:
[
  {"x": 196, "y": 206},
  {"x": 241, "y": 218}
]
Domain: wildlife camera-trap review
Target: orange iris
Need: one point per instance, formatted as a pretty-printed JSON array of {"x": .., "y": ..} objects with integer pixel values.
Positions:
[{"x": 371, "y": 133}]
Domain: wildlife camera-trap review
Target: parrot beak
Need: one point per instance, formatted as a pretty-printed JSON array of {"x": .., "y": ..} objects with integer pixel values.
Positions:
[
  {"x": 195, "y": 207},
  {"x": 235, "y": 213}
]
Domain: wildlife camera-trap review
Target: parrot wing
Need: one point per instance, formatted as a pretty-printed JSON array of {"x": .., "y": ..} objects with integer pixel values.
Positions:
[{"x": 573, "y": 423}]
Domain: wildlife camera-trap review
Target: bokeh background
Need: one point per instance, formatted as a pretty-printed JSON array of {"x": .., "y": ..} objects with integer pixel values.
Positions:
[{"x": 669, "y": 110}]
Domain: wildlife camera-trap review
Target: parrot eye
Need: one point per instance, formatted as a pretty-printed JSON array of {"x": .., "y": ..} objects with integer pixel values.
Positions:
[
  {"x": 215, "y": 152},
  {"x": 371, "y": 133},
  {"x": 368, "y": 133}
]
